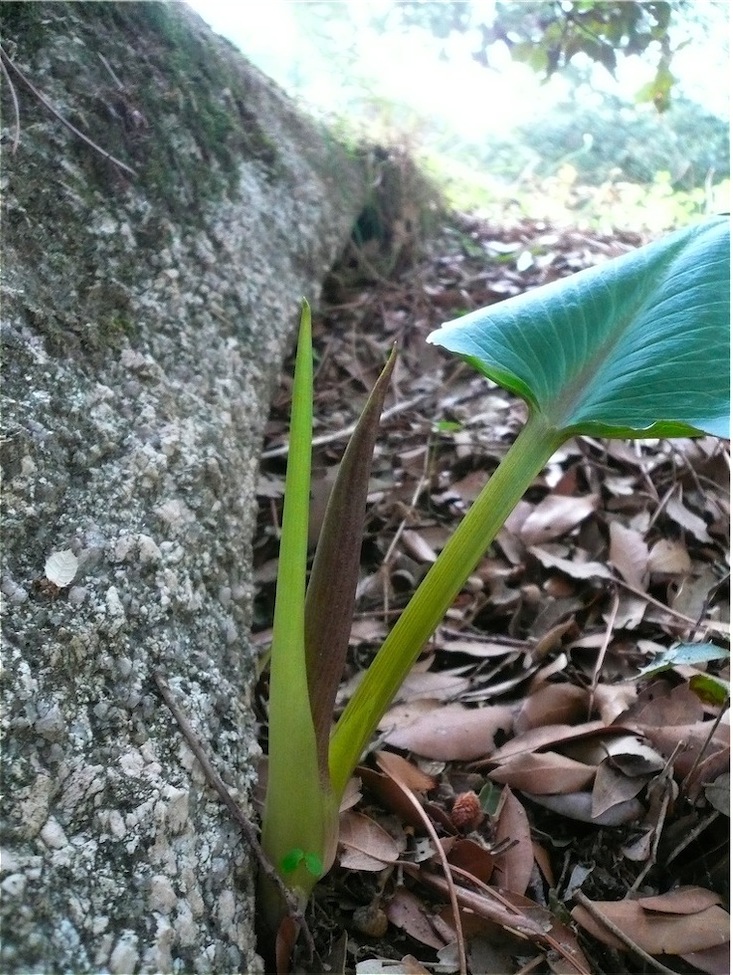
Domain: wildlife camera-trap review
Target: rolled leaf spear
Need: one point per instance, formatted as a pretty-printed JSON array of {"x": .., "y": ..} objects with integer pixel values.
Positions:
[{"x": 310, "y": 640}]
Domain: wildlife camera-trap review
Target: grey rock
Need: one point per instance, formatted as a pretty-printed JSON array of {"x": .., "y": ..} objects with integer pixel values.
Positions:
[{"x": 144, "y": 323}]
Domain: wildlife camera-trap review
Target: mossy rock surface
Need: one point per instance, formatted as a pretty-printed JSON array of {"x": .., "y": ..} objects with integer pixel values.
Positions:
[{"x": 144, "y": 321}]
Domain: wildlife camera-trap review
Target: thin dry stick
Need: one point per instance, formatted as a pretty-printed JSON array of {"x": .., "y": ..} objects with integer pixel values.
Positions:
[
  {"x": 692, "y": 835},
  {"x": 531, "y": 965},
  {"x": 218, "y": 784},
  {"x": 410, "y": 796},
  {"x": 49, "y": 107},
  {"x": 547, "y": 936},
  {"x": 668, "y": 785},
  {"x": 615, "y": 930},
  {"x": 384, "y": 567},
  {"x": 344, "y": 434},
  {"x": 490, "y": 904},
  {"x": 703, "y": 746},
  {"x": 114, "y": 77},
  {"x": 602, "y": 653},
  {"x": 16, "y": 110},
  {"x": 693, "y": 624},
  {"x": 661, "y": 505}
]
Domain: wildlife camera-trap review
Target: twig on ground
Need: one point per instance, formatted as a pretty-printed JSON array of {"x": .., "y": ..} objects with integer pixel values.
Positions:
[
  {"x": 248, "y": 829},
  {"x": 693, "y": 834},
  {"x": 616, "y": 931},
  {"x": 7, "y": 63},
  {"x": 717, "y": 625},
  {"x": 346, "y": 432},
  {"x": 16, "y": 109},
  {"x": 427, "y": 822},
  {"x": 714, "y": 725}
]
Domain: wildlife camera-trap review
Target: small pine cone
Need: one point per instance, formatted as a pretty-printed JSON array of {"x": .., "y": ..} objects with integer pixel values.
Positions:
[
  {"x": 371, "y": 920},
  {"x": 466, "y": 813}
]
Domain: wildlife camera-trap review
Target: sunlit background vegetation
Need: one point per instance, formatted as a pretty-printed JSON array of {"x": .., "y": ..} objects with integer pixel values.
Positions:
[{"x": 597, "y": 114}]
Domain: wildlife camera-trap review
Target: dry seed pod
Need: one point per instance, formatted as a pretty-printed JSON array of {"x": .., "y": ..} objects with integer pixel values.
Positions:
[
  {"x": 371, "y": 920},
  {"x": 466, "y": 813}
]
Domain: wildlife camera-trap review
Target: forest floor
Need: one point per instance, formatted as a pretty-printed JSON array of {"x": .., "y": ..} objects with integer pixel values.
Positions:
[{"x": 580, "y": 796}]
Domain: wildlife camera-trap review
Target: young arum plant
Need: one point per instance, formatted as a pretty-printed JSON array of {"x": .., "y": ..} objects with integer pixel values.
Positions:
[{"x": 638, "y": 347}]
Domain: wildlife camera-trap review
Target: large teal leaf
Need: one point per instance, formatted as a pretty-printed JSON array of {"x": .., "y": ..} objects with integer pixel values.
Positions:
[{"x": 638, "y": 346}]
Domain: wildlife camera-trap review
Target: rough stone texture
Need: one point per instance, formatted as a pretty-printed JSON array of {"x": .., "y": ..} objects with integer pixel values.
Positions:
[{"x": 144, "y": 322}]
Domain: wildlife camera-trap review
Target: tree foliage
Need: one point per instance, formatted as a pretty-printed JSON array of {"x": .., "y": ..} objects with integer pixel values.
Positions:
[
  {"x": 688, "y": 143},
  {"x": 549, "y": 34}
]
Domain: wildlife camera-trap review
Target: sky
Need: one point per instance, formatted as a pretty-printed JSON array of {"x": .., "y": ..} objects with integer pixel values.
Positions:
[{"x": 407, "y": 68}]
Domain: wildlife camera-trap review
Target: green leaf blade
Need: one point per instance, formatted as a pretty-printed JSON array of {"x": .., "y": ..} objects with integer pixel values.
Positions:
[
  {"x": 300, "y": 813},
  {"x": 329, "y": 602},
  {"x": 638, "y": 346}
]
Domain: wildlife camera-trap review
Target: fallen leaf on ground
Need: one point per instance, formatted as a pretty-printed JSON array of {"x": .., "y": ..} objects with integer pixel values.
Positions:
[
  {"x": 364, "y": 845},
  {"x": 411, "y": 914},
  {"x": 514, "y": 867},
  {"x": 543, "y": 773},
  {"x": 660, "y": 932},
  {"x": 451, "y": 732}
]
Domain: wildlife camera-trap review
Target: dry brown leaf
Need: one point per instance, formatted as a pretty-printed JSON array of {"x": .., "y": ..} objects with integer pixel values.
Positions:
[
  {"x": 410, "y": 914},
  {"x": 687, "y": 520},
  {"x": 513, "y": 868},
  {"x": 688, "y": 899},
  {"x": 657, "y": 933},
  {"x": 576, "y": 570},
  {"x": 713, "y": 961},
  {"x": 661, "y": 704},
  {"x": 537, "y": 738},
  {"x": 553, "y": 704},
  {"x": 689, "y": 743},
  {"x": 669, "y": 558},
  {"x": 630, "y": 612},
  {"x": 611, "y": 700},
  {"x": 410, "y": 775},
  {"x": 611, "y": 788},
  {"x": 404, "y": 714},
  {"x": 542, "y": 859},
  {"x": 691, "y": 598},
  {"x": 515, "y": 913},
  {"x": 579, "y": 805},
  {"x": 417, "y": 547},
  {"x": 352, "y": 794},
  {"x": 434, "y": 685},
  {"x": 473, "y": 858},
  {"x": 369, "y": 630},
  {"x": 364, "y": 845},
  {"x": 392, "y": 796},
  {"x": 451, "y": 732},
  {"x": 474, "y": 647},
  {"x": 628, "y": 553},
  {"x": 717, "y": 793},
  {"x": 543, "y": 773},
  {"x": 554, "y": 516},
  {"x": 632, "y": 756},
  {"x": 409, "y": 965},
  {"x": 470, "y": 486}
]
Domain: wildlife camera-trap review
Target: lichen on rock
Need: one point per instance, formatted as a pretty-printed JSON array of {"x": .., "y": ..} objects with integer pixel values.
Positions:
[{"x": 144, "y": 322}]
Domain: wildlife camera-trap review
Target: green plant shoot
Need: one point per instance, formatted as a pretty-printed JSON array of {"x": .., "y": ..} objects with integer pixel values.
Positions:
[
  {"x": 310, "y": 638},
  {"x": 294, "y": 781},
  {"x": 638, "y": 347}
]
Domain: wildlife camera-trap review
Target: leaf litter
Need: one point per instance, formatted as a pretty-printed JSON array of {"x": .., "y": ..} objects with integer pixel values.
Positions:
[{"x": 565, "y": 734}]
